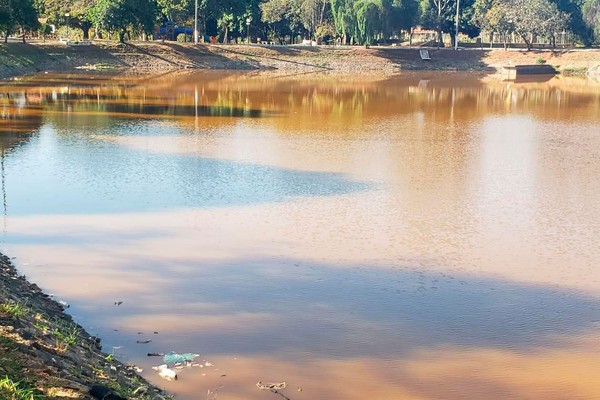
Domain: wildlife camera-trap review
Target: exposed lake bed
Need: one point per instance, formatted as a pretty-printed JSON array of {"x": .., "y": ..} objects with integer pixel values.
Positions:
[{"x": 353, "y": 237}]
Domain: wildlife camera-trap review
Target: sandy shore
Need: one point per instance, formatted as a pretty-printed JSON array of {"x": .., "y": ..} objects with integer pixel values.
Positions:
[{"x": 154, "y": 57}]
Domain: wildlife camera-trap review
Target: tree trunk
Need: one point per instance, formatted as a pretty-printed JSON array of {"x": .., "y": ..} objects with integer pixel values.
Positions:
[
  {"x": 23, "y": 32},
  {"x": 527, "y": 41},
  {"x": 122, "y": 37},
  {"x": 86, "y": 30},
  {"x": 439, "y": 24}
]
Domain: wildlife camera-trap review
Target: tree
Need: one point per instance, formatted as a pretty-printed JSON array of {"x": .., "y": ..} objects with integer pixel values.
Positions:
[
  {"x": 368, "y": 19},
  {"x": 179, "y": 11},
  {"x": 6, "y": 19},
  {"x": 591, "y": 16},
  {"x": 402, "y": 14},
  {"x": 78, "y": 10},
  {"x": 526, "y": 18},
  {"x": 123, "y": 16},
  {"x": 576, "y": 23},
  {"x": 434, "y": 13},
  {"x": 17, "y": 14},
  {"x": 344, "y": 19},
  {"x": 303, "y": 16}
]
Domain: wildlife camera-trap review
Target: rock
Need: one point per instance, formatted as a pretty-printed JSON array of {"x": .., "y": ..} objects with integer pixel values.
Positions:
[{"x": 103, "y": 393}]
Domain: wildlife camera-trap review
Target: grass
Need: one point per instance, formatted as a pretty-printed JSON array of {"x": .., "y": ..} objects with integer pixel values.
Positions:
[
  {"x": 575, "y": 70},
  {"x": 15, "y": 309},
  {"x": 10, "y": 390},
  {"x": 105, "y": 66},
  {"x": 66, "y": 334}
]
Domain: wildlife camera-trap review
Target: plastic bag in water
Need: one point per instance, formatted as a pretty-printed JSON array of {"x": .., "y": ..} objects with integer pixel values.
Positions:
[{"x": 175, "y": 358}]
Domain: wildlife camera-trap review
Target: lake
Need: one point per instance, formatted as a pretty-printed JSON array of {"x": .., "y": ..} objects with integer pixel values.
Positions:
[{"x": 423, "y": 236}]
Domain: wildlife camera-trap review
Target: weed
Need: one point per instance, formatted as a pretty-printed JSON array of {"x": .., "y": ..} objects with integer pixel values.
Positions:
[
  {"x": 66, "y": 334},
  {"x": 10, "y": 390},
  {"x": 40, "y": 323},
  {"x": 15, "y": 309},
  {"x": 540, "y": 61},
  {"x": 575, "y": 70}
]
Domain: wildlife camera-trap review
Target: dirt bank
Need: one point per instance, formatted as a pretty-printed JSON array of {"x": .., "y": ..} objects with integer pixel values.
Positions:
[
  {"x": 151, "y": 57},
  {"x": 44, "y": 353}
]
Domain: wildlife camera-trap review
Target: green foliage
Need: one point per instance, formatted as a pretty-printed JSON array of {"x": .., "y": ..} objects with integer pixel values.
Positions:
[
  {"x": 181, "y": 12},
  {"x": 525, "y": 18},
  {"x": 124, "y": 16},
  {"x": 16, "y": 310},
  {"x": 300, "y": 16},
  {"x": 368, "y": 19},
  {"x": 10, "y": 390},
  {"x": 78, "y": 10},
  {"x": 18, "y": 14},
  {"x": 591, "y": 16},
  {"x": 540, "y": 61},
  {"x": 65, "y": 334}
]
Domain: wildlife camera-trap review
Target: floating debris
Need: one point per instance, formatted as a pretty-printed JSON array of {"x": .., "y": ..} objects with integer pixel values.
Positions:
[
  {"x": 143, "y": 341},
  {"x": 165, "y": 372},
  {"x": 155, "y": 354},
  {"x": 118, "y": 303},
  {"x": 176, "y": 358},
  {"x": 271, "y": 386}
]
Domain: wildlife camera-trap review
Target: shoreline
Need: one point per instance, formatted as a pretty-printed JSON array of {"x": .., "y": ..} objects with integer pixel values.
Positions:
[
  {"x": 17, "y": 59},
  {"x": 44, "y": 352}
]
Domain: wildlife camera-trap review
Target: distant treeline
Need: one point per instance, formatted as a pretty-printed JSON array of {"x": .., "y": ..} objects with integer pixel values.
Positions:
[{"x": 340, "y": 21}]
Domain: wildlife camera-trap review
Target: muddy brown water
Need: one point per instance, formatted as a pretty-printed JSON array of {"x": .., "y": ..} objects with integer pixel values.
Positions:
[{"x": 423, "y": 236}]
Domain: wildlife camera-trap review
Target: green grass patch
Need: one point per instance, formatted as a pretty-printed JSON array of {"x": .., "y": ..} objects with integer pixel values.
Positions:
[
  {"x": 15, "y": 309},
  {"x": 574, "y": 70},
  {"x": 11, "y": 390},
  {"x": 105, "y": 66},
  {"x": 65, "y": 333}
]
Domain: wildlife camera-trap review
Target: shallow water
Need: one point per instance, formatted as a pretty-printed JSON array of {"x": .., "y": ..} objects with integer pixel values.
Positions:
[{"x": 423, "y": 236}]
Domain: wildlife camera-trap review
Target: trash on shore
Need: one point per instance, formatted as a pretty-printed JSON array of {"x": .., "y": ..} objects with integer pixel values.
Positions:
[
  {"x": 64, "y": 304},
  {"x": 165, "y": 372}
]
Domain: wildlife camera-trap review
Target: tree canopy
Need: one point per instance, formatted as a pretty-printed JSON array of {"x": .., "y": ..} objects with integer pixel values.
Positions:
[{"x": 347, "y": 21}]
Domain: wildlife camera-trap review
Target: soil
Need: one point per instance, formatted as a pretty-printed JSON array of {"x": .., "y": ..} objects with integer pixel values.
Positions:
[
  {"x": 154, "y": 57},
  {"x": 46, "y": 354}
]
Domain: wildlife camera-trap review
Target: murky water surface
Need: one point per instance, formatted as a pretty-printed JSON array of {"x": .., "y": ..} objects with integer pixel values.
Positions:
[{"x": 427, "y": 236}]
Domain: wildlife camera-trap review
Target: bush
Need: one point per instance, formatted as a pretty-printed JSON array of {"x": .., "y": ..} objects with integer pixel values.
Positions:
[
  {"x": 540, "y": 61},
  {"x": 182, "y": 37}
]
